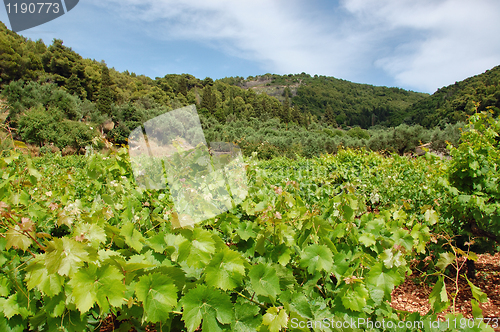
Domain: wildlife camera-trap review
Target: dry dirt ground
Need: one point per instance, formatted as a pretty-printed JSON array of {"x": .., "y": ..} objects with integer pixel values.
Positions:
[{"x": 413, "y": 294}]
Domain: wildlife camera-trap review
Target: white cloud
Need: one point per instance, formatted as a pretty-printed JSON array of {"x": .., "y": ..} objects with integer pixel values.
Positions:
[
  {"x": 284, "y": 36},
  {"x": 458, "y": 38},
  {"x": 421, "y": 44}
]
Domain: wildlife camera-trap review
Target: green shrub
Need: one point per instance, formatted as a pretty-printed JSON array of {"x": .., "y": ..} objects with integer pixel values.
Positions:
[{"x": 357, "y": 132}]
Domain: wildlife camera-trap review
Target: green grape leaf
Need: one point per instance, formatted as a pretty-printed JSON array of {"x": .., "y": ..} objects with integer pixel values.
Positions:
[
  {"x": 5, "y": 286},
  {"x": 226, "y": 270},
  {"x": 264, "y": 280},
  {"x": 207, "y": 304},
  {"x": 444, "y": 260},
  {"x": 476, "y": 309},
  {"x": 316, "y": 258},
  {"x": 158, "y": 294},
  {"x": 298, "y": 303},
  {"x": 97, "y": 284},
  {"x": 65, "y": 256},
  {"x": 379, "y": 278},
  {"x": 247, "y": 318},
  {"x": 15, "y": 324},
  {"x": 354, "y": 296},
  {"x": 90, "y": 232},
  {"x": 132, "y": 236},
  {"x": 157, "y": 242},
  {"x": 431, "y": 216},
  {"x": 55, "y": 306},
  {"x": 38, "y": 276},
  {"x": 245, "y": 230},
  {"x": 11, "y": 307},
  {"x": 198, "y": 250},
  {"x": 281, "y": 254},
  {"x": 391, "y": 259},
  {"x": 479, "y": 295},
  {"x": 438, "y": 298},
  {"x": 275, "y": 319},
  {"x": 367, "y": 239}
]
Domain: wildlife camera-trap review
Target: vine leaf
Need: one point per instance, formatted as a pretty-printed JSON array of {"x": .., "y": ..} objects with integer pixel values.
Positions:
[
  {"x": 133, "y": 238},
  {"x": 198, "y": 250},
  {"x": 90, "y": 232},
  {"x": 444, "y": 260},
  {"x": 276, "y": 319},
  {"x": 438, "y": 298},
  {"x": 381, "y": 281},
  {"x": 247, "y": 318},
  {"x": 226, "y": 270},
  {"x": 354, "y": 296},
  {"x": 316, "y": 258},
  {"x": 65, "y": 256},
  {"x": 11, "y": 307},
  {"x": 479, "y": 295},
  {"x": 207, "y": 304},
  {"x": 158, "y": 295},
  {"x": 264, "y": 280},
  {"x": 16, "y": 239},
  {"x": 101, "y": 285},
  {"x": 38, "y": 276}
]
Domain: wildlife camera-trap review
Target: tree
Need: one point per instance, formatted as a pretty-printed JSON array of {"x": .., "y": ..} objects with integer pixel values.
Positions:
[
  {"x": 106, "y": 96},
  {"x": 38, "y": 125},
  {"x": 183, "y": 86},
  {"x": 209, "y": 100},
  {"x": 286, "y": 114},
  {"x": 296, "y": 116},
  {"x": 74, "y": 87},
  {"x": 329, "y": 117}
]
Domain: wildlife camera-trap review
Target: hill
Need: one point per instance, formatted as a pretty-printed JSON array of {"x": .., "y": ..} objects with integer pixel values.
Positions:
[
  {"x": 352, "y": 104},
  {"x": 455, "y": 102},
  {"x": 57, "y": 98}
]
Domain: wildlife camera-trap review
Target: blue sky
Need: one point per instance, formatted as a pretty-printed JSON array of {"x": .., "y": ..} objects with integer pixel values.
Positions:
[{"x": 419, "y": 45}]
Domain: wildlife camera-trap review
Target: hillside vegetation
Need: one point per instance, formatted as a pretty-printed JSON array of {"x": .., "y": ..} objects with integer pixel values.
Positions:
[
  {"x": 456, "y": 102},
  {"x": 57, "y": 98}
]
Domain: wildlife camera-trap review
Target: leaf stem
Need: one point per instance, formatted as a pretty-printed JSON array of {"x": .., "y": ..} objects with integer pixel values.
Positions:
[{"x": 251, "y": 300}]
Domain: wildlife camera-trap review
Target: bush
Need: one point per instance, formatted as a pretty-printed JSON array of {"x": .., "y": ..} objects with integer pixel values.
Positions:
[
  {"x": 21, "y": 97},
  {"x": 39, "y": 126},
  {"x": 357, "y": 132},
  {"x": 474, "y": 178}
]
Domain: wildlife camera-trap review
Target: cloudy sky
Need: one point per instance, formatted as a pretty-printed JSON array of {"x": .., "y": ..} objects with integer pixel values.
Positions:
[{"x": 419, "y": 45}]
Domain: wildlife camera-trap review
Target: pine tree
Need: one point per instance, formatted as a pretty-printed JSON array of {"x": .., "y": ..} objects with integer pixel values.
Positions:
[
  {"x": 74, "y": 87},
  {"x": 329, "y": 117},
  {"x": 183, "y": 86},
  {"x": 209, "y": 100},
  {"x": 286, "y": 107},
  {"x": 106, "y": 96},
  {"x": 296, "y": 116}
]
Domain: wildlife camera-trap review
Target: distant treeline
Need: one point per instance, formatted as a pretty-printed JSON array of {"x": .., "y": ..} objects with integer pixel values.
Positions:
[{"x": 54, "y": 96}]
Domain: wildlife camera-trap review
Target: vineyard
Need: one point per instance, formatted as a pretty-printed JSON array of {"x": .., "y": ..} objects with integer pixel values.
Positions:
[{"x": 318, "y": 244}]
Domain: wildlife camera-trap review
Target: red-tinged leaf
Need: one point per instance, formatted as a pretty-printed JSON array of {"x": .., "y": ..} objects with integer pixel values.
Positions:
[{"x": 16, "y": 239}]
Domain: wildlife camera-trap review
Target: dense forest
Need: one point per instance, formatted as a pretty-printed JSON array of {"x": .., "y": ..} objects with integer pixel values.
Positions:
[{"x": 58, "y": 100}]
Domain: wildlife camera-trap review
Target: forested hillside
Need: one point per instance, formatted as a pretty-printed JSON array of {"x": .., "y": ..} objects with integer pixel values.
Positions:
[
  {"x": 56, "y": 99},
  {"x": 455, "y": 102},
  {"x": 336, "y": 101}
]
